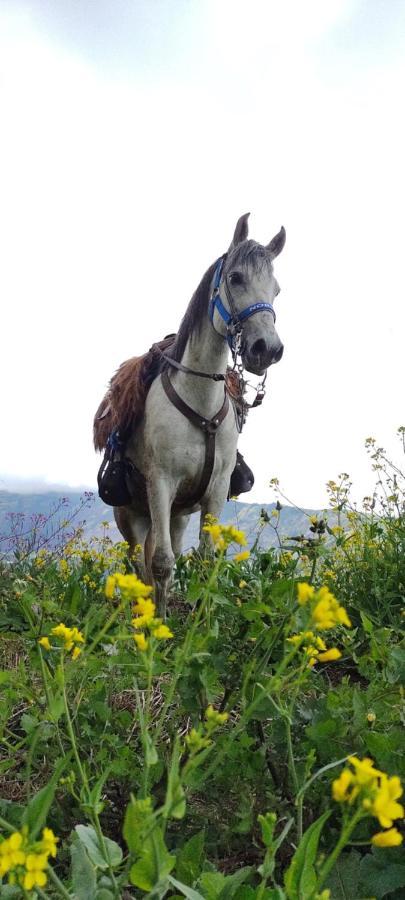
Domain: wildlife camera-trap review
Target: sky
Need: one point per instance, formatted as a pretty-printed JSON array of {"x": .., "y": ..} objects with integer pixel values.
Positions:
[{"x": 134, "y": 134}]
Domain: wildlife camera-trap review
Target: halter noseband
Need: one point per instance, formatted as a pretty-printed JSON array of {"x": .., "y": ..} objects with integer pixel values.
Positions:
[{"x": 233, "y": 319}]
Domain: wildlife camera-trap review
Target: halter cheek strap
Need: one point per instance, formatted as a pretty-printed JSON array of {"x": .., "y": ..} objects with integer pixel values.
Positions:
[{"x": 234, "y": 318}]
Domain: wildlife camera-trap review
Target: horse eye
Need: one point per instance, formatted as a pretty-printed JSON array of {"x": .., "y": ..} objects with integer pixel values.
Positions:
[{"x": 236, "y": 278}]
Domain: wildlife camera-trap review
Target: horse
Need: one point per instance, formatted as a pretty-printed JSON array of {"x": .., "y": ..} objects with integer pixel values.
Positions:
[{"x": 183, "y": 450}]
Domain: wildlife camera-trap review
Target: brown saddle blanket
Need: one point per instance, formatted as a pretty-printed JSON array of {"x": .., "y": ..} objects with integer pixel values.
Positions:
[{"x": 122, "y": 407}]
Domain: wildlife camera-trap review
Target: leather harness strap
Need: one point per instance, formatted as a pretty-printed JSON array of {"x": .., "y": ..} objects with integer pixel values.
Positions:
[{"x": 208, "y": 426}]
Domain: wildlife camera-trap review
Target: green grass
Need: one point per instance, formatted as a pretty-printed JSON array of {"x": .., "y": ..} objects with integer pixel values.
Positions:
[{"x": 114, "y": 752}]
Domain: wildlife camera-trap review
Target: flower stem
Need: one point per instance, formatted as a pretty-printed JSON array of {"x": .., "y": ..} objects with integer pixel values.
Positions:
[{"x": 343, "y": 840}]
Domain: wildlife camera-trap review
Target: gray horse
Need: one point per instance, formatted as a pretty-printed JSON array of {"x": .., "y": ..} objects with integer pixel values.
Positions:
[{"x": 189, "y": 430}]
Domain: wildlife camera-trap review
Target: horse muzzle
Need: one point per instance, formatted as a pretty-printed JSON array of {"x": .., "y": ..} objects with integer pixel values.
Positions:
[{"x": 260, "y": 355}]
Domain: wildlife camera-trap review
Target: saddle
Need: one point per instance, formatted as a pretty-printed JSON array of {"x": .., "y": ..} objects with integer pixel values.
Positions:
[{"x": 119, "y": 481}]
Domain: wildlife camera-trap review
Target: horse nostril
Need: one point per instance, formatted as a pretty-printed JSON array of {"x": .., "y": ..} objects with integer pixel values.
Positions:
[
  {"x": 278, "y": 354},
  {"x": 259, "y": 347}
]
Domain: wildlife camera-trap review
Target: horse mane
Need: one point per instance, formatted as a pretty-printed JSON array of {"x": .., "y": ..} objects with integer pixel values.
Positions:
[{"x": 194, "y": 315}]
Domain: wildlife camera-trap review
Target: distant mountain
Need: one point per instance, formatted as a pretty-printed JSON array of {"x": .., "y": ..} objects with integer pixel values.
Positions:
[{"x": 25, "y": 510}]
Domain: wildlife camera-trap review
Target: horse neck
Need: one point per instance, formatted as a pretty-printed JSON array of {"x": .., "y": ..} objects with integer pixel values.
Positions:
[{"x": 205, "y": 352}]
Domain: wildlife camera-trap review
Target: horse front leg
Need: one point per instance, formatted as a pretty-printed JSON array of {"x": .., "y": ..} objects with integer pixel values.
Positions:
[{"x": 162, "y": 556}]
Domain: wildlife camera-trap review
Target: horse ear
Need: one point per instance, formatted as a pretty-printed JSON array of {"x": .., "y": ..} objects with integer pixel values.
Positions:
[
  {"x": 241, "y": 231},
  {"x": 277, "y": 243}
]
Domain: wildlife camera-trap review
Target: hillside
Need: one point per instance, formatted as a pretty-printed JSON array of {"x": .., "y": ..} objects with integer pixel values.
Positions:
[{"x": 24, "y": 510}]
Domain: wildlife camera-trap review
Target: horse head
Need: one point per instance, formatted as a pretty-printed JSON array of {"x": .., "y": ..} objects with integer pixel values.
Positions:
[{"x": 242, "y": 304}]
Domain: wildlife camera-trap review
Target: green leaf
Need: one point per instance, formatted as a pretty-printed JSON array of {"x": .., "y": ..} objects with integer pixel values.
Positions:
[
  {"x": 138, "y": 822},
  {"x": 300, "y": 879},
  {"x": 185, "y": 889},
  {"x": 104, "y": 894},
  {"x": 267, "y": 824},
  {"x": 56, "y": 707},
  {"x": 175, "y": 801},
  {"x": 233, "y": 882},
  {"x": 38, "y": 807},
  {"x": 90, "y": 840},
  {"x": 150, "y": 751},
  {"x": 381, "y": 876},
  {"x": 344, "y": 878},
  {"x": 366, "y": 623},
  {"x": 154, "y": 865},
  {"x": 83, "y": 872},
  {"x": 190, "y": 858},
  {"x": 8, "y": 891},
  {"x": 211, "y": 884}
]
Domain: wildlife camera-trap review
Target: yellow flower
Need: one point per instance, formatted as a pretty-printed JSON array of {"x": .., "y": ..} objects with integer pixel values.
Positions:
[
  {"x": 305, "y": 592},
  {"x": 371, "y": 717},
  {"x": 145, "y": 610},
  {"x": 391, "y": 838},
  {"x": 243, "y": 584},
  {"x": 130, "y": 586},
  {"x": 141, "y": 641},
  {"x": 341, "y": 785},
  {"x": 44, "y": 641},
  {"x": 162, "y": 632},
  {"x": 223, "y": 535},
  {"x": 70, "y": 636},
  {"x": 35, "y": 875},
  {"x": 384, "y": 806},
  {"x": 364, "y": 769},
  {"x": 76, "y": 652},
  {"x": 327, "y": 612},
  {"x": 330, "y": 655},
  {"x": 49, "y": 842},
  {"x": 244, "y": 554}
]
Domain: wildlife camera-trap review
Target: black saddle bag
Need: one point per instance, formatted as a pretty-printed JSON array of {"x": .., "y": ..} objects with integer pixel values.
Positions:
[
  {"x": 242, "y": 478},
  {"x": 114, "y": 473}
]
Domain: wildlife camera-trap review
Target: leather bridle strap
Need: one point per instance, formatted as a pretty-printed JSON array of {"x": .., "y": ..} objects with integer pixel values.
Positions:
[
  {"x": 208, "y": 426},
  {"x": 215, "y": 376}
]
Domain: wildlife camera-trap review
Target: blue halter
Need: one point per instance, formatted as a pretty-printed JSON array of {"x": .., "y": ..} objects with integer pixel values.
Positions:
[{"x": 232, "y": 320}]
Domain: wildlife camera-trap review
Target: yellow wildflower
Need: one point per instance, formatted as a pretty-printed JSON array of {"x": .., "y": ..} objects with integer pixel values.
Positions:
[
  {"x": 390, "y": 838},
  {"x": 162, "y": 632},
  {"x": 44, "y": 642},
  {"x": 384, "y": 806},
  {"x": 35, "y": 875},
  {"x": 305, "y": 592},
  {"x": 223, "y": 535},
  {"x": 341, "y": 785},
  {"x": 49, "y": 842},
  {"x": 243, "y": 584},
  {"x": 244, "y": 554},
  {"x": 364, "y": 769},
  {"x": 329, "y": 655},
  {"x": 141, "y": 641},
  {"x": 327, "y": 612},
  {"x": 130, "y": 586},
  {"x": 144, "y": 609},
  {"x": 69, "y": 636}
]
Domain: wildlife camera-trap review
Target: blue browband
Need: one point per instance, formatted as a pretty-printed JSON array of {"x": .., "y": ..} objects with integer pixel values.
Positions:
[{"x": 228, "y": 318}]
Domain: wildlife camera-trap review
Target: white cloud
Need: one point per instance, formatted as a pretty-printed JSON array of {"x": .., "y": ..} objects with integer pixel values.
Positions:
[{"x": 117, "y": 194}]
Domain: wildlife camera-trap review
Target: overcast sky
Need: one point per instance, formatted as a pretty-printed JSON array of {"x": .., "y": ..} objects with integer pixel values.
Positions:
[{"x": 133, "y": 135}]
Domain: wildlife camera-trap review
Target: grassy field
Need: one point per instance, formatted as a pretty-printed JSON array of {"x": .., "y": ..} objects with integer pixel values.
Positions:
[{"x": 251, "y": 747}]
